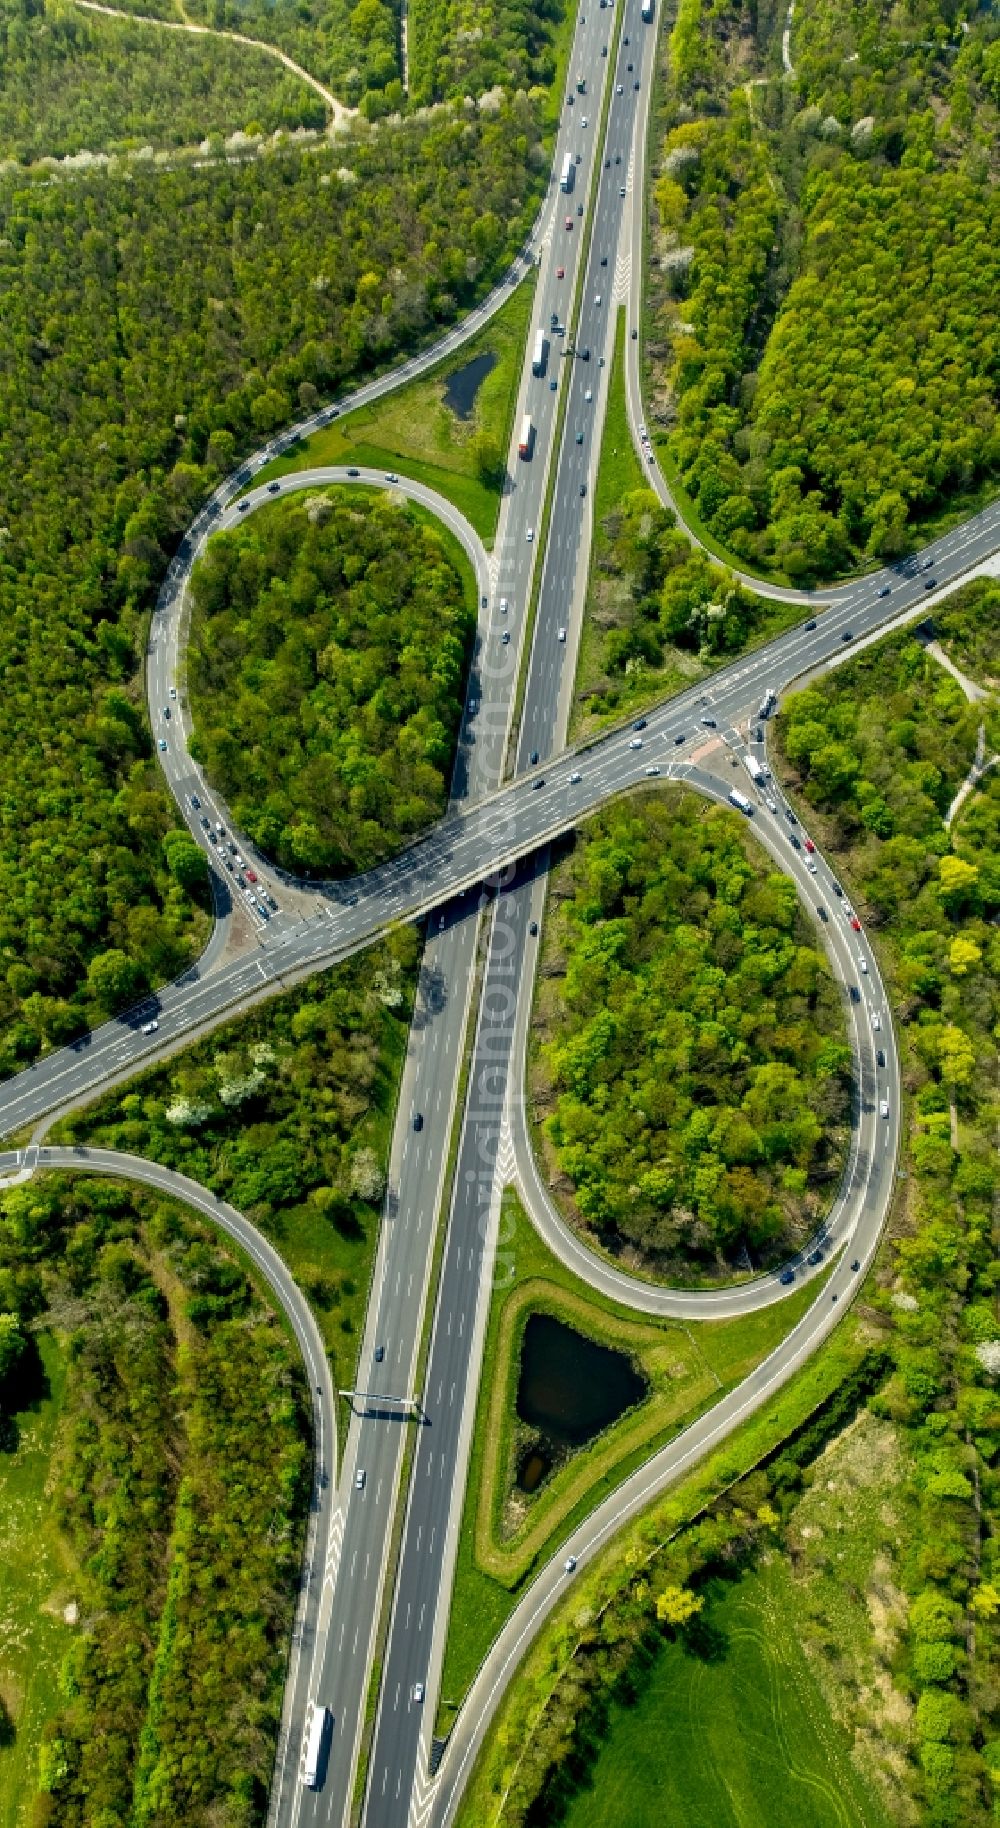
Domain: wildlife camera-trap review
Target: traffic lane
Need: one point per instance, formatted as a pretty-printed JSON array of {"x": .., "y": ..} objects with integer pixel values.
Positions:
[{"x": 421, "y": 1597}]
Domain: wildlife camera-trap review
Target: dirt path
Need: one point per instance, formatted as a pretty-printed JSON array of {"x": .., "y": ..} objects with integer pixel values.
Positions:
[{"x": 340, "y": 115}]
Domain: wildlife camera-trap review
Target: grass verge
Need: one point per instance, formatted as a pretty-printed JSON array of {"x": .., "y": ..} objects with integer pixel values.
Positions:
[
  {"x": 414, "y": 431},
  {"x": 687, "y": 1367}
]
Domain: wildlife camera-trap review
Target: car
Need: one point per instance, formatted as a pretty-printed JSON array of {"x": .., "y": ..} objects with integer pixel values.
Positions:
[
  {"x": 856, "y": 1265},
  {"x": 635, "y": 85},
  {"x": 560, "y": 272},
  {"x": 539, "y": 781},
  {"x": 621, "y": 190},
  {"x": 418, "y": 1691},
  {"x": 625, "y": 39},
  {"x": 680, "y": 737},
  {"x": 772, "y": 805},
  {"x": 204, "y": 823},
  {"x": 652, "y": 771},
  {"x": 242, "y": 507},
  {"x": 589, "y": 395},
  {"x": 569, "y": 101},
  {"x": 579, "y": 437},
  {"x": 379, "y": 1354},
  {"x": 876, "y": 1021},
  {"x": 575, "y": 777},
  {"x": 150, "y": 1028},
  {"x": 440, "y": 923},
  {"x": 273, "y": 488},
  {"x": 863, "y": 966},
  {"x": 418, "y": 1121},
  {"x": 604, "y": 50},
  {"x": 505, "y": 638},
  {"x": 196, "y": 803},
  {"x": 930, "y": 583},
  {"x": 604, "y": 260},
  {"x": 636, "y": 742},
  {"x": 821, "y": 911},
  {"x": 569, "y": 1564},
  {"x": 173, "y": 691},
  {"x": 569, "y": 222},
  {"x": 561, "y": 635},
  {"x": 583, "y": 123},
  {"x": 228, "y": 864},
  {"x": 618, "y": 158},
  {"x": 359, "y": 1479},
  {"x": 880, "y": 1057},
  {"x": 810, "y": 846},
  {"x": 925, "y": 564},
  {"x": 251, "y": 875},
  {"x": 353, "y": 472},
  {"x": 553, "y": 384},
  {"x": 163, "y": 742},
  {"x": 709, "y": 723},
  {"x": 579, "y": 209},
  {"x": 272, "y": 904},
  {"x": 814, "y": 1257},
  {"x": 759, "y": 734},
  {"x": 886, "y": 590},
  {"x": 855, "y": 993},
  {"x": 583, "y": 488},
  {"x": 811, "y": 867},
  {"x": 847, "y": 635},
  {"x": 787, "y": 1276},
  {"x": 533, "y": 757},
  {"x": 529, "y": 536},
  {"x": 838, "y": 890},
  {"x": 855, "y": 923},
  {"x": 618, "y": 89},
  {"x": 883, "y": 1107},
  {"x": 792, "y": 839},
  {"x": 390, "y": 476},
  {"x": 790, "y": 816},
  {"x": 630, "y": 69},
  {"x": 504, "y": 606},
  {"x": 810, "y": 625},
  {"x": 533, "y": 928}
]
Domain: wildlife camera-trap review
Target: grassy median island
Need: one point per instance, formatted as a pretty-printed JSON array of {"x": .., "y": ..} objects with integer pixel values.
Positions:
[
  {"x": 326, "y": 672},
  {"x": 287, "y": 1112},
  {"x": 506, "y": 1531},
  {"x": 689, "y": 1071},
  {"x": 417, "y": 430},
  {"x": 154, "y": 1453}
]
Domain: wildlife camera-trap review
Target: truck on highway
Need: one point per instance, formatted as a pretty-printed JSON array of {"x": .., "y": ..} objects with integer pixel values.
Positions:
[
  {"x": 539, "y": 353},
  {"x": 581, "y": 85},
  {"x": 647, "y": 10},
  {"x": 740, "y": 799},
  {"x": 316, "y": 1746},
  {"x": 568, "y": 178},
  {"x": 768, "y": 703},
  {"x": 526, "y": 439},
  {"x": 754, "y": 768}
]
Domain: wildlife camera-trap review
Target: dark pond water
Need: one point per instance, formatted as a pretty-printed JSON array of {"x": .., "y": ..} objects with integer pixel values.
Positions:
[
  {"x": 461, "y": 388},
  {"x": 569, "y": 1387},
  {"x": 533, "y": 1469}
]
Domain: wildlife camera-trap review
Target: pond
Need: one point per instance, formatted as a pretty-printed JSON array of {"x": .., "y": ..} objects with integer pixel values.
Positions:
[
  {"x": 461, "y": 388},
  {"x": 570, "y": 1387}
]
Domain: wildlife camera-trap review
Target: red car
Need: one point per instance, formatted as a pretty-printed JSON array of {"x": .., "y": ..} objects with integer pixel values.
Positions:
[
  {"x": 810, "y": 846},
  {"x": 560, "y": 272},
  {"x": 569, "y": 222},
  {"x": 855, "y": 923},
  {"x": 251, "y": 876}
]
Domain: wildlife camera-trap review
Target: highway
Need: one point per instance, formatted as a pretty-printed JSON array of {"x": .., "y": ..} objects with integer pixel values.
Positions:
[{"x": 479, "y": 877}]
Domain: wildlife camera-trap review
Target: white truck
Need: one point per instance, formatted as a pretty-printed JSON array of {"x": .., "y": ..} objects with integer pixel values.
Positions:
[
  {"x": 754, "y": 768},
  {"x": 315, "y": 1746},
  {"x": 539, "y": 353},
  {"x": 568, "y": 178},
  {"x": 526, "y": 439},
  {"x": 647, "y": 10},
  {"x": 768, "y": 703},
  {"x": 740, "y": 799}
]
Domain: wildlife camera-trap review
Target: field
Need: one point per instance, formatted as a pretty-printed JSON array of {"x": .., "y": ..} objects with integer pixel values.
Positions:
[
  {"x": 414, "y": 431},
  {"x": 737, "y": 1738},
  {"x": 37, "y": 1584}
]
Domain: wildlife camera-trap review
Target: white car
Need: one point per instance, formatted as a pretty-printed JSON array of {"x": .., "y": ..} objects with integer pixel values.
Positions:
[
  {"x": 150, "y": 1028},
  {"x": 390, "y": 476},
  {"x": 359, "y": 1479},
  {"x": 163, "y": 744},
  {"x": 863, "y": 965},
  {"x": 811, "y": 867},
  {"x": 883, "y": 1109},
  {"x": 569, "y": 1564},
  {"x": 575, "y": 777},
  {"x": 772, "y": 805},
  {"x": 504, "y": 606},
  {"x": 652, "y": 771},
  {"x": 529, "y": 536},
  {"x": 597, "y": 298},
  {"x": 589, "y": 395},
  {"x": 418, "y": 1691},
  {"x": 173, "y": 691},
  {"x": 876, "y": 1021},
  {"x": 562, "y": 634},
  {"x": 636, "y": 742}
]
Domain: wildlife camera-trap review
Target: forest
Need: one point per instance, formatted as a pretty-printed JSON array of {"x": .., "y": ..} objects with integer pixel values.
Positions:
[
  {"x": 326, "y": 672},
  {"x": 287, "y": 1112},
  {"x": 135, "y": 365},
  {"x": 692, "y": 1064},
  {"x": 183, "y": 1466},
  {"x": 72, "y": 81},
  {"x": 823, "y": 345}
]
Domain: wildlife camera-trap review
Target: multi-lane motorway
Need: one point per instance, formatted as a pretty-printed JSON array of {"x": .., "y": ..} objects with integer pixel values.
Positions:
[{"x": 479, "y": 876}]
